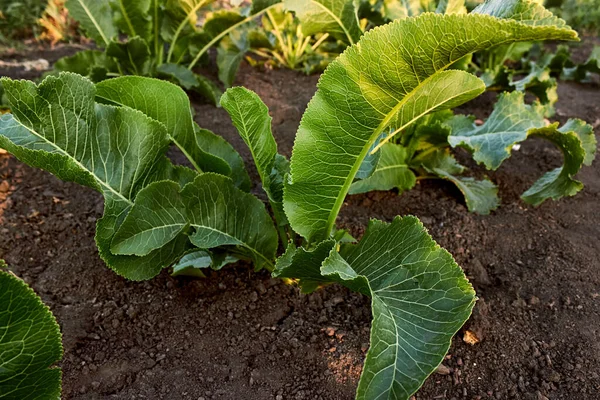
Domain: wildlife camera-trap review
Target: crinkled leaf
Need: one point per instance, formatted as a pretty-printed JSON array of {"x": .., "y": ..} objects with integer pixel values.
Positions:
[
  {"x": 218, "y": 212},
  {"x": 392, "y": 172},
  {"x": 336, "y": 17},
  {"x": 30, "y": 343},
  {"x": 586, "y": 135},
  {"x": 420, "y": 298},
  {"x": 190, "y": 81},
  {"x": 251, "y": 118},
  {"x": 57, "y": 126},
  {"x": 95, "y": 17},
  {"x": 559, "y": 182},
  {"x": 492, "y": 142},
  {"x": 133, "y": 18},
  {"x": 170, "y": 105},
  {"x": 481, "y": 196},
  {"x": 362, "y": 94},
  {"x": 538, "y": 82}
]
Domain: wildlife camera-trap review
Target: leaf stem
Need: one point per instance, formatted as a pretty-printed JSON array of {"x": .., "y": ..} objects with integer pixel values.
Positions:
[{"x": 180, "y": 28}]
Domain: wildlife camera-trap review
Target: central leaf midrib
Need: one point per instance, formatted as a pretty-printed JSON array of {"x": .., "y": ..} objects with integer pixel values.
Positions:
[
  {"x": 337, "y": 20},
  {"x": 90, "y": 15}
]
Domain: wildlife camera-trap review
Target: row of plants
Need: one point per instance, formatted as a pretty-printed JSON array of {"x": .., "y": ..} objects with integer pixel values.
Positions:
[{"x": 374, "y": 123}]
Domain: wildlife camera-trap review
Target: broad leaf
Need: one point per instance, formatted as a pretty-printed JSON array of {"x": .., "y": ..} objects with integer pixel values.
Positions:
[
  {"x": 192, "y": 263},
  {"x": 581, "y": 73},
  {"x": 392, "y": 171},
  {"x": 251, "y": 118},
  {"x": 362, "y": 94},
  {"x": 30, "y": 343},
  {"x": 170, "y": 105},
  {"x": 337, "y": 17},
  {"x": 95, "y": 17},
  {"x": 218, "y": 212},
  {"x": 481, "y": 196},
  {"x": 492, "y": 142},
  {"x": 57, "y": 126},
  {"x": 133, "y": 55},
  {"x": 133, "y": 17},
  {"x": 420, "y": 298}
]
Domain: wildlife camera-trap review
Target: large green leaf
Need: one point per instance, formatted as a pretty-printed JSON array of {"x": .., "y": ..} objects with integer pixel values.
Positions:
[
  {"x": 57, "y": 126},
  {"x": 93, "y": 64},
  {"x": 492, "y": 142},
  {"x": 363, "y": 93},
  {"x": 30, "y": 343},
  {"x": 219, "y": 213},
  {"x": 95, "y": 17},
  {"x": 133, "y": 17},
  {"x": 337, "y": 17},
  {"x": 420, "y": 298},
  {"x": 392, "y": 171},
  {"x": 251, "y": 118},
  {"x": 170, "y": 105}
]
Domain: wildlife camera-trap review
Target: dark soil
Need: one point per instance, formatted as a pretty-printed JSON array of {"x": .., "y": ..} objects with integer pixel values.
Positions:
[{"x": 242, "y": 335}]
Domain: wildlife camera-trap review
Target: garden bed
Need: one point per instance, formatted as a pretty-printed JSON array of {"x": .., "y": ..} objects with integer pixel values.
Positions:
[{"x": 242, "y": 335}]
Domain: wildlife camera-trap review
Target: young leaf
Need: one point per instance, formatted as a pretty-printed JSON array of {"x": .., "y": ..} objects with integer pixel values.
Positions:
[
  {"x": 337, "y": 17},
  {"x": 132, "y": 17},
  {"x": 205, "y": 150},
  {"x": 392, "y": 172},
  {"x": 343, "y": 120},
  {"x": 57, "y": 126},
  {"x": 420, "y": 298},
  {"x": 582, "y": 72},
  {"x": 251, "y": 118},
  {"x": 481, "y": 196},
  {"x": 95, "y": 17},
  {"x": 219, "y": 213},
  {"x": 492, "y": 142},
  {"x": 30, "y": 343}
]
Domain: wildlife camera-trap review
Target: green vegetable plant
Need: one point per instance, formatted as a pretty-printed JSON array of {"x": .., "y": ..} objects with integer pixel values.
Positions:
[
  {"x": 157, "y": 38},
  {"x": 30, "y": 343},
  {"x": 112, "y": 136},
  {"x": 18, "y": 20}
]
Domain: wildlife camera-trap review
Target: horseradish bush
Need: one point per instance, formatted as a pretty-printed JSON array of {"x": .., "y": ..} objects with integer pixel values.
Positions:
[{"x": 112, "y": 136}]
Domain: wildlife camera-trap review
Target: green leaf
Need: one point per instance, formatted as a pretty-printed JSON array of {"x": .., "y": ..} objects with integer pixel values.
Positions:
[
  {"x": 229, "y": 58},
  {"x": 492, "y": 142},
  {"x": 132, "y": 17},
  {"x": 362, "y": 94},
  {"x": 559, "y": 182},
  {"x": 57, "y": 126},
  {"x": 30, "y": 343},
  {"x": 92, "y": 64},
  {"x": 192, "y": 263},
  {"x": 420, "y": 298},
  {"x": 392, "y": 172},
  {"x": 251, "y": 118},
  {"x": 337, "y": 17},
  {"x": 133, "y": 55},
  {"x": 190, "y": 81},
  {"x": 586, "y": 135},
  {"x": 451, "y": 7},
  {"x": 582, "y": 72},
  {"x": 95, "y": 17},
  {"x": 219, "y": 213},
  {"x": 169, "y": 105},
  {"x": 481, "y": 196}
]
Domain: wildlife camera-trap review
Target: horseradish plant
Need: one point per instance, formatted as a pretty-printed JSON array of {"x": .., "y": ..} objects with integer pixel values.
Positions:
[
  {"x": 113, "y": 136},
  {"x": 161, "y": 39},
  {"x": 30, "y": 343}
]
